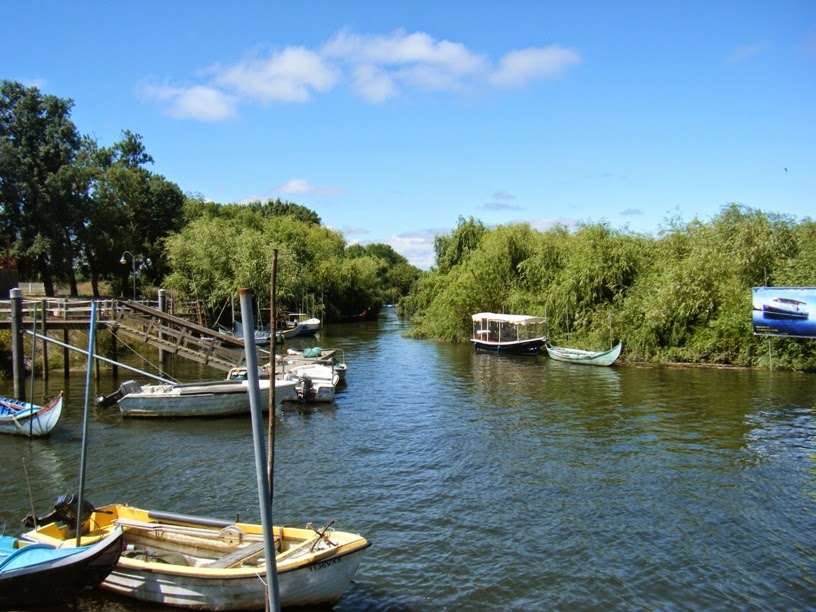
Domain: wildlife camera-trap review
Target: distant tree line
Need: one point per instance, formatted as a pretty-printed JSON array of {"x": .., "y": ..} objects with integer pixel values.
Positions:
[
  {"x": 681, "y": 296},
  {"x": 72, "y": 209}
]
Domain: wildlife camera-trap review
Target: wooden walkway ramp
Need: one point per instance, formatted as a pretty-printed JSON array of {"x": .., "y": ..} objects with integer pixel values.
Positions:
[{"x": 176, "y": 335}]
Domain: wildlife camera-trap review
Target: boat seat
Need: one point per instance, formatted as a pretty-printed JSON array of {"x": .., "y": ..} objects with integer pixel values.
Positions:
[{"x": 242, "y": 555}]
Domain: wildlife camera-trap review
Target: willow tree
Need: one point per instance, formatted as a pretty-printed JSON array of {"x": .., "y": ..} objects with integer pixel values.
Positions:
[{"x": 212, "y": 257}]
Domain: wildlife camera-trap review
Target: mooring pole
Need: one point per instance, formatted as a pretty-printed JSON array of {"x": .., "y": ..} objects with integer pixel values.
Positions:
[
  {"x": 66, "y": 356},
  {"x": 163, "y": 308},
  {"x": 44, "y": 332},
  {"x": 256, "y": 410},
  {"x": 270, "y": 460},
  {"x": 85, "y": 418},
  {"x": 33, "y": 359},
  {"x": 17, "y": 362}
]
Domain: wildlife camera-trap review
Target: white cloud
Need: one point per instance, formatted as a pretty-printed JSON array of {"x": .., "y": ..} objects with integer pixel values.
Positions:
[
  {"x": 289, "y": 76},
  {"x": 417, "y": 247},
  {"x": 401, "y": 49},
  {"x": 375, "y": 67},
  {"x": 302, "y": 186},
  {"x": 192, "y": 102},
  {"x": 374, "y": 84},
  {"x": 518, "y": 67}
]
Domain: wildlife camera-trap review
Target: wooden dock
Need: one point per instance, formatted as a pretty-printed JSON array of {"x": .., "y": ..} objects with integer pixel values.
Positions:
[
  {"x": 136, "y": 321},
  {"x": 177, "y": 336}
]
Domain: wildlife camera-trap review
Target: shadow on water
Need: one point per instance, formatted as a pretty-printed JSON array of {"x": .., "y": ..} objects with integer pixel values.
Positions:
[{"x": 487, "y": 481}]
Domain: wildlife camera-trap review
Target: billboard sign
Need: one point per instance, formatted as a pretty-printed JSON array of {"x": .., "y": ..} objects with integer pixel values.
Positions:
[{"x": 785, "y": 311}]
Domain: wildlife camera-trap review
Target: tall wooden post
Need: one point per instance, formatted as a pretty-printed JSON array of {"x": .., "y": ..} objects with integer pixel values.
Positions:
[
  {"x": 66, "y": 354},
  {"x": 163, "y": 308},
  {"x": 44, "y": 334},
  {"x": 17, "y": 362}
]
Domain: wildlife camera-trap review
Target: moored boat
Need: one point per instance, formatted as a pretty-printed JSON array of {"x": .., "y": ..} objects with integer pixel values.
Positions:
[
  {"x": 216, "y": 398},
  {"x": 508, "y": 333},
  {"x": 28, "y": 419},
  {"x": 39, "y": 574},
  {"x": 316, "y": 382},
  {"x": 307, "y": 326},
  {"x": 295, "y": 357},
  {"x": 211, "y": 564},
  {"x": 262, "y": 337},
  {"x": 579, "y": 356}
]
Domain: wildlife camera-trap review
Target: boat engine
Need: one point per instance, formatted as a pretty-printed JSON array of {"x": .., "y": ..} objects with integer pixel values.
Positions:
[
  {"x": 129, "y": 386},
  {"x": 306, "y": 388},
  {"x": 65, "y": 511}
]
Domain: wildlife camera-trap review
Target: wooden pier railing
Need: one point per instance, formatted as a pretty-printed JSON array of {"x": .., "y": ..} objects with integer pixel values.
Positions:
[{"x": 138, "y": 321}]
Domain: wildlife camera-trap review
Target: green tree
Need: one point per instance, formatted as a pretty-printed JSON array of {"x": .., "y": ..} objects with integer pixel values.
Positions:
[
  {"x": 38, "y": 195},
  {"x": 396, "y": 275},
  {"x": 278, "y": 208},
  {"x": 452, "y": 250},
  {"x": 131, "y": 209}
]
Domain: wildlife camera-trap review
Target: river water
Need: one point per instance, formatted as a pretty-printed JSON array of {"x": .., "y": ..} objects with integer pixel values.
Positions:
[{"x": 486, "y": 481}]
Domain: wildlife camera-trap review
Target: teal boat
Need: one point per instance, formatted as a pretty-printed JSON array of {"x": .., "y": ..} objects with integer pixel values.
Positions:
[{"x": 596, "y": 358}]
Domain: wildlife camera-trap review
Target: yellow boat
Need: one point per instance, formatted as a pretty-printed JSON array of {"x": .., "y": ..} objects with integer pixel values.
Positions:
[{"x": 211, "y": 564}]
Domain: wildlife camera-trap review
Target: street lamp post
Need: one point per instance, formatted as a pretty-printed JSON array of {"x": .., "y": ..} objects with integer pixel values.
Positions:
[{"x": 123, "y": 261}]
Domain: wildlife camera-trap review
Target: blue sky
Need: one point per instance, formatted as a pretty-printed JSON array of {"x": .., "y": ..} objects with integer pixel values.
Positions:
[{"x": 393, "y": 119}]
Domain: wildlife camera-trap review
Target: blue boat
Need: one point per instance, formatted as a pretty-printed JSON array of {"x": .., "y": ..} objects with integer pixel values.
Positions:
[{"x": 35, "y": 574}]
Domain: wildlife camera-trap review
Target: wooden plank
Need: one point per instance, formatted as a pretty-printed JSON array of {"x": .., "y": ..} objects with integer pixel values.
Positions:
[{"x": 240, "y": 556}]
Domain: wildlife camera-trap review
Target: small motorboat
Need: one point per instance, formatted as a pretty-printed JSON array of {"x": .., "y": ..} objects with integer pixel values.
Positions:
[{"x": 40, "y": 574}]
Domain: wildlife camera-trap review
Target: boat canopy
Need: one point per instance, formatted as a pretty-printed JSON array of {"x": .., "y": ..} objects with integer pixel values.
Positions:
[{"x": 509, "y": 318}]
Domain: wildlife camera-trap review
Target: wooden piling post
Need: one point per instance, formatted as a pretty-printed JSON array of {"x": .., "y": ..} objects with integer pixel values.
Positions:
[
  {"x": 66, "y": 354},
  {"x": 163, "y": 308},
  {"x": 44, "y": 333},
  {"x": 17, "y": 362}
]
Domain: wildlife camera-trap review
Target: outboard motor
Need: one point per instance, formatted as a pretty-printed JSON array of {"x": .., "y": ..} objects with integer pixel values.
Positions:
[
  {"x": 65, "y": 511},
  {"x": 129, "y": 386},
  {"x": 306, "y": 387}
]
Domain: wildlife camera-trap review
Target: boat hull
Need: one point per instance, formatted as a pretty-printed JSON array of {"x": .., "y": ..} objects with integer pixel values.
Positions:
[
  {"x": 26, "y": 419},
  {"x": 226, "y": 398},
  {"x": 517, "y": 347},
  {"x": 56, "y": 576},
  {"x": 320, "y": 583}
]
